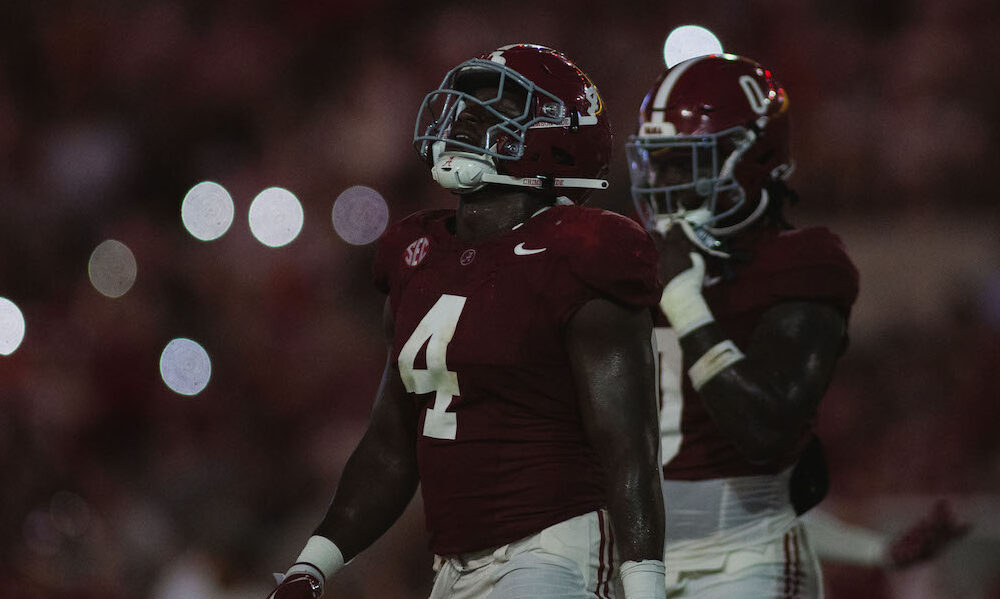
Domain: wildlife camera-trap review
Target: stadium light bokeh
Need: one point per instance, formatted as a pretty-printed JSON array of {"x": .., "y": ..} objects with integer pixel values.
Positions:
[
  {"x": 276, "y": 217},
  {"x": 185, "y": 366},
  {"x": 688, "y": 41},
  {"x": 207, "y": 211},
  {"x": 360, "y": 215},
  {"x": 112, "y": 268},
  {"x": 11, "y": 327}
]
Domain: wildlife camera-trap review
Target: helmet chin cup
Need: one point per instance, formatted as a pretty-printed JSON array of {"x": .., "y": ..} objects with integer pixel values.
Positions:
[
  {"x": 461, "y": 172},
  {"x": 692, "y": 224}
]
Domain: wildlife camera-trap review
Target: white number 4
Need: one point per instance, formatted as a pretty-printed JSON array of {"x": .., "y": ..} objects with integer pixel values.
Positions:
[{"x": 436, "y": 329}]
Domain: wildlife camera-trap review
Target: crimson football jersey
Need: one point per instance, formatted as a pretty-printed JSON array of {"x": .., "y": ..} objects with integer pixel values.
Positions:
[
  {"x": 787, "y": 265},
  {"x": 479, "y": 339}
]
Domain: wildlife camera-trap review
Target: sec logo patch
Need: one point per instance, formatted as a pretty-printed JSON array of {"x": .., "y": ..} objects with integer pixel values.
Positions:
[{"x": 416, "y": 252}]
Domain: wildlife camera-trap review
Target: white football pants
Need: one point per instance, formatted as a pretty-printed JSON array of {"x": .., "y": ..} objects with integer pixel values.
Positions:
[
  {"x": 569, "y": 560},
  {"x": 780, "y": 568}
]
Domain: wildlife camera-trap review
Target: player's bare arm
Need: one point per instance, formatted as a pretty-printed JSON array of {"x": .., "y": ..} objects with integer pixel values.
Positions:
[
  {"x": 761, "y": 395},
  {"x": 613, "y": 367},
  {"x": 380, "y": 477},
  {"x": 763, "y": 401}
]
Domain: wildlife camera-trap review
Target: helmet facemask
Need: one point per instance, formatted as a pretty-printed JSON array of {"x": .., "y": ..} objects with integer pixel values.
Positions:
[
  {"x": 728, "y": 117},
  {"x": 466, "y": 166},
  {"x": 522, "y": 115},
  {"x": 692, "y": 178}
]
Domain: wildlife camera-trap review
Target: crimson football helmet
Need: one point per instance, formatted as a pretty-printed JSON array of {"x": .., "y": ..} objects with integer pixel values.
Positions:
[
  {"x": 713, "y": 136},
  {"x": 555, "y": 136}
]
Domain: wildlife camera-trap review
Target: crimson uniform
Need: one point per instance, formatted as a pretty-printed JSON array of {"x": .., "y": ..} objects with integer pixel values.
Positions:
[
  {"x": 711, "y": 155},
  {"x": 725, "y": 515},
  {"x": 479, "y": 339},
  {"x": 802, "y": 264},
  {"x": 513, "y": 490}
]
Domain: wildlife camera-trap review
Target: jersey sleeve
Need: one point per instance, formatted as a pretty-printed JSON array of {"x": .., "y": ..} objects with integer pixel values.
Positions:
[
  {"x": 804, "y": 264},
  {"x": 389, "y": 253},
  {"x": 820, "y": 270},
  {"x": 615, "y": 258}
]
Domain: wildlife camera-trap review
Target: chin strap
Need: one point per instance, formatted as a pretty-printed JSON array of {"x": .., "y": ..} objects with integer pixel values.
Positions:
[
  {"x": 704, "y": 237},
  {"x": 538, "y": 182},
  {"x": 465, "y": 172},
  {"x": 687, "y": 222}
]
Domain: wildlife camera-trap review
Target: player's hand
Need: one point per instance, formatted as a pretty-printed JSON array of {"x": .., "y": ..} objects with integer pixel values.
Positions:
[
  {"x": 298, "y": 586},
  {"x": 928, "y": 537},
  {"x": 675, "y": 249}
]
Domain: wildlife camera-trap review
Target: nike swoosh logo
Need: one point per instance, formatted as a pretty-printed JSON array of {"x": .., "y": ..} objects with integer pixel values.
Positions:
[{"x": 520, "y": 250}]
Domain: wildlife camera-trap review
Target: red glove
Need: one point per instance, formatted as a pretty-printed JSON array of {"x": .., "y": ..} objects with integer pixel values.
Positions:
[
  {"x": 299, "y": 585},
  {"x": 928, "y": 537}
]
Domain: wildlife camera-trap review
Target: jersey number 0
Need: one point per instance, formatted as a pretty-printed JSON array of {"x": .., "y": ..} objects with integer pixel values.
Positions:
[{"x": 436, "y": 329}]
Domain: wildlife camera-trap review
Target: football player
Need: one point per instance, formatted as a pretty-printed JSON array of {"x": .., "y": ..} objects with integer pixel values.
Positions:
[
  {"x": 519, "y": 361},
  {"x": 753, "y": 319}
]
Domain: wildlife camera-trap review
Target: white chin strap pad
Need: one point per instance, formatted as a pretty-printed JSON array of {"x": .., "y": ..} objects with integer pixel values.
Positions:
[
  {"x": 462, "y": 171},
  {"x": 465, "y": 172}
]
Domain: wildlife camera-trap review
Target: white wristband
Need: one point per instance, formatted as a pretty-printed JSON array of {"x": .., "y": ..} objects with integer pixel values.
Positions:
[
  {"x": 722, "y": 355},
  {"x": 322, "y": 555},
  {"x": 644, "y": 580},
  {"x": 682, "y": 302}
]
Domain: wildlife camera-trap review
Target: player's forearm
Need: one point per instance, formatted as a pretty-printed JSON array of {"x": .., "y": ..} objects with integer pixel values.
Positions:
[
  {"x": 760, "y": 399},
  {"x": 627, "y": 441},
  {"x": 377, "y": 484},
  {"x": 635, "y": 506},
  {"x": 837, "y": 541},
  {"x": 613, "y": 367},
  {"x": 744, "y": 401},
  {"x": 760, "y": 417}
]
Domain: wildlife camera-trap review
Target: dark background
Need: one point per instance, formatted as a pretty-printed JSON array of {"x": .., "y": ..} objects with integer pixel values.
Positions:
[{"x": 113, "y": 486}]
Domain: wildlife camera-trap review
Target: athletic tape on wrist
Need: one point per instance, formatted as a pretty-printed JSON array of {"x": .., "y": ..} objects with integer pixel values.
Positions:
[
  {"x": 722, "y": 355},
  {"x": 682, "y": 302},
  {"x": 322, "y": 555},
  {"x": 644, "y": 579}
]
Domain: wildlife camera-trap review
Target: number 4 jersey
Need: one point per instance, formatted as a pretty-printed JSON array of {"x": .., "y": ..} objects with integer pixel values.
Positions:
[{"x": 479, "y": 339}]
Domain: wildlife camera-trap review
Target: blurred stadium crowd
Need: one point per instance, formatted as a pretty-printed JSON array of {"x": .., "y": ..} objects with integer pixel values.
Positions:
[{"x": 115, "y": 487}]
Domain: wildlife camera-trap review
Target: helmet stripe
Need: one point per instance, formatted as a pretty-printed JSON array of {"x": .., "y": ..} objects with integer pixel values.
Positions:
[{"x": 660, "y": 101}]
